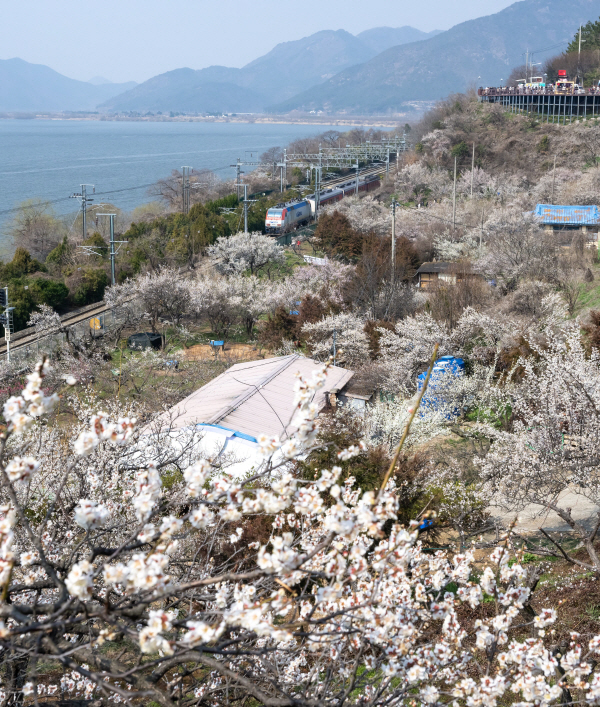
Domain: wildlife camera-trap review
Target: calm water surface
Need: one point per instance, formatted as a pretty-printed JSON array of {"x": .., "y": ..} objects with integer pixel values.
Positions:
[{"x": 49, "y": 159}]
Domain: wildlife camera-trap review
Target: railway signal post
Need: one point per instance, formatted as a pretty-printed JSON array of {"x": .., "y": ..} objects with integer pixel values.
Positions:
[{"x": 6, "y": 319}]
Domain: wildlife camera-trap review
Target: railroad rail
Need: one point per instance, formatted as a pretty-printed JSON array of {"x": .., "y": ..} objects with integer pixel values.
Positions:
[{"x": 29, "y": 336}]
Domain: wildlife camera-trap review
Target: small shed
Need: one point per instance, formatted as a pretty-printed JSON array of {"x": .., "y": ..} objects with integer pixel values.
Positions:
[
  {"x": 568, "y": 218},
  {"x": 144, "y": 340},
  {"x": 430, "y": 274},
  {"x": 356, "y": 395}
]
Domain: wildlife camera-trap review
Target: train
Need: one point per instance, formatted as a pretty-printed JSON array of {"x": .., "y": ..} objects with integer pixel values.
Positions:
[{"x": 294, "y": 214}]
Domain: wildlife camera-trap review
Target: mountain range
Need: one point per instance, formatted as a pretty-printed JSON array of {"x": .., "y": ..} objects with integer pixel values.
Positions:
[
  {"x": 287, "y": 70},
  {"x": 31, "y": 88},
  {"x": 379, "y": 71},
  {"x": 478, "y": 52}
]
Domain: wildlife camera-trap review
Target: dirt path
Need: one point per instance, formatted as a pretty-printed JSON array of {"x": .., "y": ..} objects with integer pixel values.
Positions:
[
  {"x": 233, "y": 352},
  {"x": 532, "y": 517}
]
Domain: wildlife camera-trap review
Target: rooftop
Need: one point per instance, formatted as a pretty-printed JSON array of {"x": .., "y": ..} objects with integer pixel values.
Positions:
[
  {"x": 434, "y": 267},
  {"x": 568, "y": 215},
  {"x": 254, "y": 398}
]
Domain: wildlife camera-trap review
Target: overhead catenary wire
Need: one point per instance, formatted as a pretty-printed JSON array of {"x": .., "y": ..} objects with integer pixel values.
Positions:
[{"x": 50, "y": 202}]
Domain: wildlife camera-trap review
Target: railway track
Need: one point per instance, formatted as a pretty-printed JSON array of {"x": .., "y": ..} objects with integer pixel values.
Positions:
[
  {"x": 27, "y": 337},
  {"x": 366, "y": 172}
]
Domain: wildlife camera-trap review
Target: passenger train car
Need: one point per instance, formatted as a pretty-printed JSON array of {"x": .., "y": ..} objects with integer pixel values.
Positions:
[{"x": 293, "y": 214}]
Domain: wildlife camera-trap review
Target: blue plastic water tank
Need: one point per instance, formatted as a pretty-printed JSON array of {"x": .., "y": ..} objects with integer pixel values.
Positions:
[{"x": 444, "y": 367}]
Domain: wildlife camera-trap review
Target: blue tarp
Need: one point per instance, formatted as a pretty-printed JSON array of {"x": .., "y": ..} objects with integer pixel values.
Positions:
[
  {"x": 445, "y": 368},
  {"x": 568, "y": 215}
]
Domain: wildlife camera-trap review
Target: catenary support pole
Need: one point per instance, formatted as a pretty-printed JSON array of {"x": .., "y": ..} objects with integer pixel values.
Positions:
[
  {"x": 454, "y": 198},
  {"x": 84, "y": 211},
  {"x": 472, "y": 169},
  {"x": 393, "y": 245},
  {"x": 245, "y": 208},
  {"x": 112, "y": 249}
]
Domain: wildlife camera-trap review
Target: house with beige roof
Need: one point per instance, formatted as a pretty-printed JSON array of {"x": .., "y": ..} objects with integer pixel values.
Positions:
[{"x": 249, "y": 399}]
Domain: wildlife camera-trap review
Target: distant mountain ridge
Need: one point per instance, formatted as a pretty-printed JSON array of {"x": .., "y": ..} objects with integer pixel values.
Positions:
[
  {"x": 381, "y": 38},
  {"x": 287, "y": 70},
  {"x": 30, "y": 88},
  {"x": 477, "y": 52}
]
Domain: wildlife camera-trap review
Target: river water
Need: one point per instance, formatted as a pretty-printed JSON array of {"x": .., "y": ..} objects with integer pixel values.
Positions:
[{"x": 49, "y": 159}]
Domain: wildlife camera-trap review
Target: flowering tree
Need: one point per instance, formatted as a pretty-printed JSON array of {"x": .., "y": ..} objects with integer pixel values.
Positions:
[
  {"x": 245, "y": 251},
  {"x": 162, "y": 296},
  {"x": 141, "y": 590},
  {"x": 516, "y": 246},
  {"x": 364, "y": 214},
  {"x": 348, "y": 329},
  {"x": 417, "y": 181},
  {"x": 549, "y": 458}
]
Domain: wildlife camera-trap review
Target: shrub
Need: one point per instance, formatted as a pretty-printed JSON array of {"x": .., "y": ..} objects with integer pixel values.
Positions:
[
  {"x": 87, "y": 286},
  {"x": 279, "y": 326}
]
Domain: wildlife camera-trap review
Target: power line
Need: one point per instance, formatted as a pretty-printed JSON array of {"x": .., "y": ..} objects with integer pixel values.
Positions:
[{"x": 49, "y": 202}]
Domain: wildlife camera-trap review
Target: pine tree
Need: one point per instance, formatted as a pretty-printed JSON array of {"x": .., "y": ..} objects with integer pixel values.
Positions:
[{"x": 590, "y": 38}]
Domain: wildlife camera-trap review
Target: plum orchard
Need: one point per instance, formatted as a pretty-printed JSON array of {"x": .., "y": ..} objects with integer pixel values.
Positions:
[{"x": 127, "y": 587}]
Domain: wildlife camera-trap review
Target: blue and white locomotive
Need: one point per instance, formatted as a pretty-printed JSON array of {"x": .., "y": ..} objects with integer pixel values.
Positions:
[
  {"x": 287, "y": 217},
  {"x": 294, "y": 214}
]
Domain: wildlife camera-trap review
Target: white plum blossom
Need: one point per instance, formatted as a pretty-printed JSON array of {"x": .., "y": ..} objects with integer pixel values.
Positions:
[
  {"x": 79, "y": 581},
  {"x": 21, "y": 468},
  {"x": 91, "y": 514}
]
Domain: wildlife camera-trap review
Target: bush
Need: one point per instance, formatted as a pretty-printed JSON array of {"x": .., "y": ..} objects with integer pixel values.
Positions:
[
  {"x": 50, "y": 292},
  {"x": 22, "y": 264},
  {"x": 279, "y": 326},
  {"x": 60, "y": 254},
  {"x": 87, "y": 286}
]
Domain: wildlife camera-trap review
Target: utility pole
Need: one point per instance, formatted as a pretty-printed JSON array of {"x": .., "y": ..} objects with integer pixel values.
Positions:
[
  {"x": 579, "y": 72},
  {"x": 553, "y": 180},
  {"x": 238, "y": 178},
  {"x": 393, "y": 244},
  {"x": 387, "y": 164},
  {"x": 454, "y": 198},
  {"x": 357, "y": 171},
  {"x": 526, "y": 64},
  {"x": 472, "y": 169},
  {"x": 246, "y": 202},
  {"x": 334, "y": 346},
  {"x": 112, "y": 249},
  {"x": 186, "y": 171},
  {"x": 84, "y": 199}
]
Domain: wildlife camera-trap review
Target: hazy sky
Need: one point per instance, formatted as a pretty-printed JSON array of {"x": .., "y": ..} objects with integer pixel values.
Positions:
[{"x": 135, "y": 39}]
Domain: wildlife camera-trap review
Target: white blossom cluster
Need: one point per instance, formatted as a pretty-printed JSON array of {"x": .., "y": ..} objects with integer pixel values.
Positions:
[{"x": 340, "y": 596}]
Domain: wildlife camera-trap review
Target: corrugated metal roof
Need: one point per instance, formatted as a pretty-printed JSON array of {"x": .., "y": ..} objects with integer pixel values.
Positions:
[
  {"x": 255, "y": 397},
  {"x": 433, "y": 267},
  {"x": 568, "y": 215}
]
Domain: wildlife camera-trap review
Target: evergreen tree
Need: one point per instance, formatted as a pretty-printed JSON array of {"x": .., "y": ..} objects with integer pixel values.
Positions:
[{"x": 590, "y": 38}]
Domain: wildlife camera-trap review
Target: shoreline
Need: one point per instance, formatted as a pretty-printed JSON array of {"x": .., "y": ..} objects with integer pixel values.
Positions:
[{"x": 341, "y": 121}]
